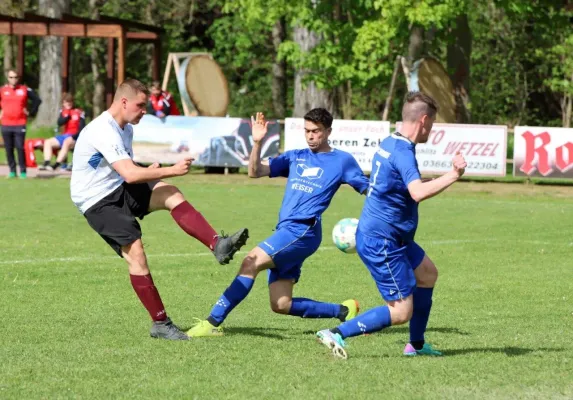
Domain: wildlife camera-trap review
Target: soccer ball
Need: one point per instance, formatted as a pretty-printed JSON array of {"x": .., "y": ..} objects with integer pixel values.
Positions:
[{"x": 344, "y": 235}]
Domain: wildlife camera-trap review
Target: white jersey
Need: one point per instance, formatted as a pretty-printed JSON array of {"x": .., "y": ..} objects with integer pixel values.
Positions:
[{"x": 101, "y": 143}]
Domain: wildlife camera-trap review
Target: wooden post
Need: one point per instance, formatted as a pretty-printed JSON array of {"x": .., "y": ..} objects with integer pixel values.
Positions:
[
  {"x": 167, "y": 72},
  {"x": 66, "y": 64},
  {"x": 390, "y": 96},
  {"x": 121, "y": 57},
  {"x": 20, "y": 59},
  {"x": 176, "y": 67},
  {"x": 156, "y": 59},
  {"x": 110, "y": 75}
]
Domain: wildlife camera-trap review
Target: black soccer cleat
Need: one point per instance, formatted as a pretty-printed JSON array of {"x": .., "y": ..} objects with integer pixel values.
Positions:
[
  {"x": 227, "y": 246},
  {"x": 167, "y": 330}
]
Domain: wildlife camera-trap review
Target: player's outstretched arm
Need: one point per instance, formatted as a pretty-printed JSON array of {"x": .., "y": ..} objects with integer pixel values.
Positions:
[
  {"x": 421, "y": 191},
  {"x": 257, "y": 168},
  {"x": 133, "y": 173}
]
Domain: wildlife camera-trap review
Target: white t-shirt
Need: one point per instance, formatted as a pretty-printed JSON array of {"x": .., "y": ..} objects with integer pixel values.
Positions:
[{"x": 101, "y": 143}]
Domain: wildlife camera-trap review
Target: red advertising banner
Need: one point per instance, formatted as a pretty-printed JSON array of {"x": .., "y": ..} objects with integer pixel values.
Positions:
[{"x": 543, "y": 152}]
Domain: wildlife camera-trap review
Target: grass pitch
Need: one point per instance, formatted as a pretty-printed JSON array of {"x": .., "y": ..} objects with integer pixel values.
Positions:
[{"x": 72, "y": 326}]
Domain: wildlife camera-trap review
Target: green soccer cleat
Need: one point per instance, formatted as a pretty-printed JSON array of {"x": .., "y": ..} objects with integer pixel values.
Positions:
[
  {"x": 426, "y": 350},
  {"x": 11, "y": 175},
  {"x": 23, "y": 175},
  {"x": 203, "y": 328},
  {"x": 353, "y": 309}
]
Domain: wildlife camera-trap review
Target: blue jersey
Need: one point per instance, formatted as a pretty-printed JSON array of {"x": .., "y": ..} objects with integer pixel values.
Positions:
[
  {"x": 313, "y": 179},
  {"x": 389, "y": 210}
]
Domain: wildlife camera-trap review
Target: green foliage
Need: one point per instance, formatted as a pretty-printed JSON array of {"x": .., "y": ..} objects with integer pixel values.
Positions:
[{"x": 521, "y": 59}]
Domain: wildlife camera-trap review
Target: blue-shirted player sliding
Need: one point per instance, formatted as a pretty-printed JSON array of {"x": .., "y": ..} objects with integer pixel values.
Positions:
[
  {"x": 404, "y": 274},
  {"x": 314, "y": 175}
]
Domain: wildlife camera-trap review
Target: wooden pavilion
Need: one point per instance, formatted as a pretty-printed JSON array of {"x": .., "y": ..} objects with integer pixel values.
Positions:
[{"x": 117, "y": 31}]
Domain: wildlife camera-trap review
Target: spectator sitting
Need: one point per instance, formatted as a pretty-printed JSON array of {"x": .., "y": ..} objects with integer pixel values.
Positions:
[
  {"x": 161, "y": 103},
  {"x": 73, "y": 120}
]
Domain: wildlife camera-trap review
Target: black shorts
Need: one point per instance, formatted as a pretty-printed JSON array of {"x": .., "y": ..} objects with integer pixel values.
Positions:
[{"x": 113, "y": 217}]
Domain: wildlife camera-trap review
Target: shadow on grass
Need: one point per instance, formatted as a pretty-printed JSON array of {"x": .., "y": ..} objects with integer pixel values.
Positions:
[
  {"x": 508, "y": 351},
  {"x": 256, "y": 331},
  {"x": 405, "y": 330}
]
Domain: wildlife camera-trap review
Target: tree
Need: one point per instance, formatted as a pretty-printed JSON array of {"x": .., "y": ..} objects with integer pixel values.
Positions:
[{"x": 50, "y": 89}]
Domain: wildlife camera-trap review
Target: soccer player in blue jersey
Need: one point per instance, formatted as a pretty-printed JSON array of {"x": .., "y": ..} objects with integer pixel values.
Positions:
[
  {"x": 404, "y": 274},
  {"x": 314, "y": 175}
]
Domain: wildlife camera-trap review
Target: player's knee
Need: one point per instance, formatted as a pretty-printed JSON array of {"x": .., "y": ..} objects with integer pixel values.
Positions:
[
  {"x": 281, "y": 306},
  {"x": 136, "y": 259},
  {"x": 173, "y": 197},
  {"x": 249, "y": 266},
  {"x": 428, "y": 275},
  {"x": 400, "y": 313}
]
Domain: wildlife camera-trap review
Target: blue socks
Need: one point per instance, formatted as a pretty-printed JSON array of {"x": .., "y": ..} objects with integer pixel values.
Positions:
[
  {"x": 307, "y": 308},
  {"x": 421, "y": 314},
  {"x": 235, "y": 293},
  {"x": 373, "y": 320}
]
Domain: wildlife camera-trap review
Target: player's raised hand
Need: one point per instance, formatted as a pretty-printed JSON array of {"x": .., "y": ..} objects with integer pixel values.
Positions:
[
  {"x": 182, "y": 166},
  {"x": 459, "y": 163},
  {"x": 259, "y": 127}
]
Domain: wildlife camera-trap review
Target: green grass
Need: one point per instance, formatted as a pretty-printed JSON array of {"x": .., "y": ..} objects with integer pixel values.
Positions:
[{"x": 73, "y": 328}]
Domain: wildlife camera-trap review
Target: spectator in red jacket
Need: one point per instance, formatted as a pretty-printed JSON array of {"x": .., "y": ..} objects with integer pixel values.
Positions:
[
  {"x": 161, "y": 103},
  {"x": 73, "y": 120},
  {"x": 14, "y": 114}
]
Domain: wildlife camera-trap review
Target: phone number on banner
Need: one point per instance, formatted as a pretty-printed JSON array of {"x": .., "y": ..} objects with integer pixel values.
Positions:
[{"x": 471, "y": 165}]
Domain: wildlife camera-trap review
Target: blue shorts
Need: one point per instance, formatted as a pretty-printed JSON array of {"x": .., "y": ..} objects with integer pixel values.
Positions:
[
  {"x": 391, "y": 264},
  {"x": 61, "y": 138},
  {"x": 289, "y": 246}
]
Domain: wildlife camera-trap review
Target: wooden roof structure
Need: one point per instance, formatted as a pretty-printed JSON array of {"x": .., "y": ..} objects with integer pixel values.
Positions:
[{"x": 117, "y": 31}]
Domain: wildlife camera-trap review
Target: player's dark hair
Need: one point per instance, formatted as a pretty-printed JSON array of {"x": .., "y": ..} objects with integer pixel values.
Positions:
[
  {"x": 319, "y": 116},
  {"x": 156, "y": 85},
  {"x": 417, "y": 104},
  {"x": 130, "y": 87}
]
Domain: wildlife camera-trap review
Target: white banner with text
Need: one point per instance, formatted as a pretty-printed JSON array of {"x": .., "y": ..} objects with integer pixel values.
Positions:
[
  {"x": 543, "y": 152},
  {"x": 483, "y": 146},
  {"x": 359, "y": 138}
]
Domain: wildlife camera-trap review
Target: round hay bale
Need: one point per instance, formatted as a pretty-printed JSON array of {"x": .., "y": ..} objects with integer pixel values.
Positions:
[
  {"x": 431, "y": 78},
  {"x": 203, "y": 86}
]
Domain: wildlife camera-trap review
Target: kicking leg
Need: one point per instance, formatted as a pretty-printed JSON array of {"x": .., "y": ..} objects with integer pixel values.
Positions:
[
  {"x": 282, "y": 302},
  {"x": 256, "y": 261},
  {"x": 167, "y": 197},
  {"x": 148, "y": 294}
]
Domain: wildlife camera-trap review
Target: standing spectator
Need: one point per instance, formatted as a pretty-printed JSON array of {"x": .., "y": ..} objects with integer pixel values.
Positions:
[
  {"x": 161, "y": 103},
  {"x": 14, "y": 114},
  {"x": 73, "y": 120}
]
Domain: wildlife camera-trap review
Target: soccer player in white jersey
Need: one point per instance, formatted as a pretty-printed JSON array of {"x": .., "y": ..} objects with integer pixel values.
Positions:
[
  {"x": 404, "y": 274},
  {"x": 111, "y": 190}
]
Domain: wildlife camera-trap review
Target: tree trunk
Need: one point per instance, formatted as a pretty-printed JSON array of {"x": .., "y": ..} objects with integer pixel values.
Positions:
[
  {"x": 50, "y": 90},
  {"x": 391, "y": 90},
  {"x": 416, "y": 46},
  {"x": 9, "y": 52},
  {"x": 459, "y": 54},
  {"x": 279, "y": 83},
  {"x": 306, "y": 94},
  {"x": 96, "y": 57}
]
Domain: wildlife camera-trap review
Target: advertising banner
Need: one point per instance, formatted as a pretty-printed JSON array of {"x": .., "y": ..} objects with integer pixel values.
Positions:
[
  {"x": 212, "y": 141},
  {"x": 543, "y": 152},
  {"x": 483, "y": 146},
  {"x": 359, "y": 138}
]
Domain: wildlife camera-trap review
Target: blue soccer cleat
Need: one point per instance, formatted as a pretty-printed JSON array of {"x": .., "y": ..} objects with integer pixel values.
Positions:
[{"x": 334, "y": 342}]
